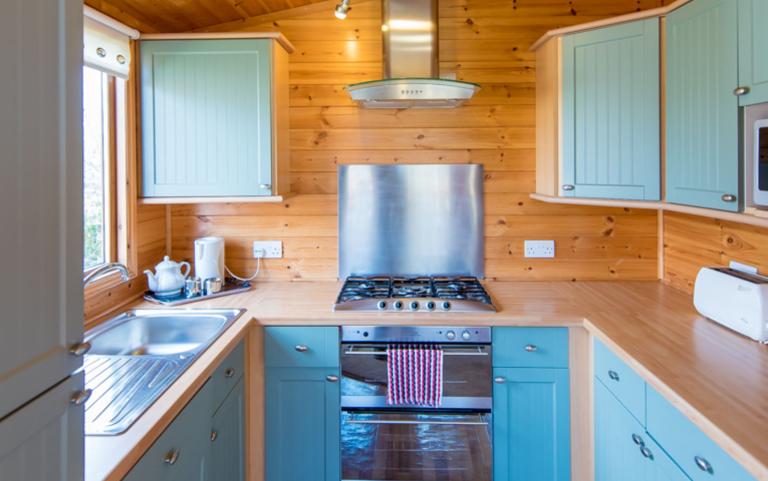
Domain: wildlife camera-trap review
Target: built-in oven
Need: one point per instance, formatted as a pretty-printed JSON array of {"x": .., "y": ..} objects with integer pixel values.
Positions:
[
  {"x": 760, "y": 155},
  {"x": 450, "y": 442}
]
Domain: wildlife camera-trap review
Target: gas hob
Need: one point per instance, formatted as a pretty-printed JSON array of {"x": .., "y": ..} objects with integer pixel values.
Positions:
[{"x": 414, "y": 294}]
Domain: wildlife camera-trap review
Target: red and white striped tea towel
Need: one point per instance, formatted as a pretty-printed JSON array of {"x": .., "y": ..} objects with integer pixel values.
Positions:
[{"x": 414, "y": 375}]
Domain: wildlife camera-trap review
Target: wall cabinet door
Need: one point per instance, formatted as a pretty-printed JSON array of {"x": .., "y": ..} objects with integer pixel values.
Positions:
[
  {"x": 702, "y": 122},
  {"x": 753, "y": 51},
  {"x": 610, "y": 112},
  {"x": 228, "y": 438},
  {"x": 302, "y": 424},
  {"x": 531, "y": 424},
  {"x": 206, "y": 117},
  {"x": 44, "y": 439},
  {"x": 41, "y": 190}
]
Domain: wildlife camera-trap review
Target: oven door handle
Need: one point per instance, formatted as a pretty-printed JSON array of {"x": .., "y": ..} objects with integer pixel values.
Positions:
[
  {"x": 356, "y": 351},
  {"x": 406, "y": 422}
]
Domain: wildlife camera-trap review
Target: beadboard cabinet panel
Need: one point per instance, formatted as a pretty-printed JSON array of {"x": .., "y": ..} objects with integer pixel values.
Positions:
[
  {"x": 610, "y": 125},
  {"x": 206, "y": 128},
  {"x": 702, "y": 142},
  {"x": 753, "y": 51}
]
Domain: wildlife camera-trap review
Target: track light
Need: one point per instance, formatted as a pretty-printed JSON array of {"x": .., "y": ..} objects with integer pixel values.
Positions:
[{"x": 342, "y": 9}]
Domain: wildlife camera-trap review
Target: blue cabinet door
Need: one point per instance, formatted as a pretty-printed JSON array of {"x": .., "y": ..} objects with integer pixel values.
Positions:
[
  {"x": 302, "y": 424},
  {"x": 702, "y": 122},
  {"x": 753, "y": 56},
  {"x": 206, "y": 117},
  {"x": 610, "y": 124},
  {"x": 531, "y": 424},
  {"x": 228, "y": 438}
]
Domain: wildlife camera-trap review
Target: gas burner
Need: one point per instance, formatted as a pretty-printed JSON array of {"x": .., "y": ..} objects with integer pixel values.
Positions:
[{"x": 422, "y": 294}]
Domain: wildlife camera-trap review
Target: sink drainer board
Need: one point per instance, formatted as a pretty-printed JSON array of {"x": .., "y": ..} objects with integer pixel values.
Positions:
[{"x": 231, "y": 286}]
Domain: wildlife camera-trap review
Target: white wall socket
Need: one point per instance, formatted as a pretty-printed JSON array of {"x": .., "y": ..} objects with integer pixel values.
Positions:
[
  {"x": 268, "y": 249},
  {"x": 540, "y": 249}
]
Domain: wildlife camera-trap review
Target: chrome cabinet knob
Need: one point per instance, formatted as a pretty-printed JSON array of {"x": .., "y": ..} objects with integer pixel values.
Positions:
[
  {"x": 171, "y": 457},
  {"x": 637, "y": 439},
  {"x": 332, "y": 378},
  {"x": 499, "y": 379},
  {"x": 703, "y": 464},
  {"x": 265, "y": 186},
  {"x": 214, "y": 435},
  {"x": 613, "y": 375},
  {"x": 301, "y": 348},
  {"x": 647, "y": 453},
  {"x": 569, "y": 187},
  {"x": 531, "y": 348},
  {"x": 739, "y": 91},
  {"x": 728, "y": 198},
  {"x": 80, "y": 348},
  {"x": 80, "y": 397},
  {"x": 229, "y": 372}
]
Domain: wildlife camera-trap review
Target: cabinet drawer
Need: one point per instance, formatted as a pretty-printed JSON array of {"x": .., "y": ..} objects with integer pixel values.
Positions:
[
  {"x": 694, "y": 452},
  {"x": 621, "y": 380},
  {"x": 301, "y": 346},
  {"x": 530, "y": 347},
  {"x": 227, "y": 374}
]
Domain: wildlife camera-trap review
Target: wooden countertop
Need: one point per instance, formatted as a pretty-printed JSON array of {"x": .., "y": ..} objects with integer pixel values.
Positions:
[{"x": 718, "y": 378}]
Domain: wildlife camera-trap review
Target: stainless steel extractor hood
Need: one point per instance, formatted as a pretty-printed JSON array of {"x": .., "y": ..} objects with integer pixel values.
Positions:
[{"x": 411, "y": 66}]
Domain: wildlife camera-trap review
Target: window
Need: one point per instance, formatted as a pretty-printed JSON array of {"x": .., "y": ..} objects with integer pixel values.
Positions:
[{"x": 98, "y": 168}]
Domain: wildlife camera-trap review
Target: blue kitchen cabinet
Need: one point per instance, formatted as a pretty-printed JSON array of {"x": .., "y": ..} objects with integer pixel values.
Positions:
[
  {"x": 753, "y": 56},
  {"x": 302, "y": 403},
  {"x": 228, "y": 438},
  {"x": 623, "y": 450},
  {"x": 702, "y": 113},
  {"x": 610, "y": 112},
  {"x": 531, "y": 404},
  {"x": 531, "y": 424},
  {"x": 206, "y": 118}
]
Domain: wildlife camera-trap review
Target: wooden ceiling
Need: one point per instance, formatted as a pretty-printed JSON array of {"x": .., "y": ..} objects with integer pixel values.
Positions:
[{"x": 166, "y": 16}]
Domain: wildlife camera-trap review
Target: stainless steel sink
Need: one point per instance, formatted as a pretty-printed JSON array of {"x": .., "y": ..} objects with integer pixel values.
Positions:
[{"x": 135, "y": 356}]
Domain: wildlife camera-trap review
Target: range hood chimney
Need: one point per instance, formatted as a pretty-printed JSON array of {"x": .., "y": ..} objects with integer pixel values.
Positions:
[{"x": 411, "y": 64}]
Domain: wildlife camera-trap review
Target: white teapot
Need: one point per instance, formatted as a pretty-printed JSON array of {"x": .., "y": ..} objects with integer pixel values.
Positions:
[{"x": 168, "y": 276}]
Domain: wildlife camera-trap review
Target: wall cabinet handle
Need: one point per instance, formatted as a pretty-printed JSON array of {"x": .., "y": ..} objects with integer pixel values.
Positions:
[
  {"x": 229, "y": 372},
  {"x": 80, "y": 348},
  {"x": 499, "y": 379},
  {"x": 647, "y": 453},
  {"x": 214, "y": 435},
  {"x": 301, "y": 348},
  {"x": 332, "y": 378},
  {"x": 739, "y": 91},
  {"x": 171, "y": 457},
  {"x": 80, "y": 397},
  {"x": 613, "y": 375},
  {"x": 703, "y": 464},
  {"x": 728, "y": 198},
  {"x": 531, "y": 348},
  {"x": 265, "y": 186},
  {"x": 569, "y": 187},
  {"x": 637, "y": 439}
]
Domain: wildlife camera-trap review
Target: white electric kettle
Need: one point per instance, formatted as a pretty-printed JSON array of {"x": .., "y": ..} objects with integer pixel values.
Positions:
[{"x": 209, "y": 258}]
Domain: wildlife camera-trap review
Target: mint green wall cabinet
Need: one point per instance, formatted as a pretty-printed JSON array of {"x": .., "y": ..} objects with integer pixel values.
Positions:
[
  {"x": 302, "y": 404},
  {"x": 228, "y": 438},
  {"x": 702, "y": 121},
  {"x": 531, "y": 404},
  {"x": 610, "y": 109},
  {"x": 207, "y": 117},
  {"x": 753, "y": 51}
]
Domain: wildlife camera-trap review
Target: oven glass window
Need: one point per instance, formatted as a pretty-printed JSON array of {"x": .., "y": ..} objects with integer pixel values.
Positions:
[
  {"x": 762, "y": 164},
  {"x": 407, "y": 446}
]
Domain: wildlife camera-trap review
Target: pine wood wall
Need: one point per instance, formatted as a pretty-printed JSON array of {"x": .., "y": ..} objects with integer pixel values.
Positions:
[{"x": 484, "y": 41}]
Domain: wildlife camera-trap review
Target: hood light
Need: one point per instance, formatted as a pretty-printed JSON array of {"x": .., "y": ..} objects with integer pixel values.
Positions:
[{"x": 342, "y": 9}]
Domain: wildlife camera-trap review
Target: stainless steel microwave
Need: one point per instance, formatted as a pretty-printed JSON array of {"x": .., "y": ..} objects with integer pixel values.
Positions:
[{"x": 760, "y": 163}]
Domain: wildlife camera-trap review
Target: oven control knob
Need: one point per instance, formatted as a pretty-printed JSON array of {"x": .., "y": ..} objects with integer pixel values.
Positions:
[
  {"x": 431, "y": 305},
  {"x": 466, "y": 335},
  {"x": 445, "y": 305},
  {"x": 398, "y": 305},
  {"x": 450, "y": 335},
  {"x": 414, "y": 306},
  {"x": 381, "y": 305}
]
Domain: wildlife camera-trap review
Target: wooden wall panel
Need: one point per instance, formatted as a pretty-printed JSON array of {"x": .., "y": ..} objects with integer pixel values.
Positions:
[
  {"x": 484, "y": 41},
  {"x": 692, "y": 242}
]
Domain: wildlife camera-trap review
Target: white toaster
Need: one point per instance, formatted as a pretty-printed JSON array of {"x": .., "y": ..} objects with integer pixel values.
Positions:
[{"x": 735, "y": 299}]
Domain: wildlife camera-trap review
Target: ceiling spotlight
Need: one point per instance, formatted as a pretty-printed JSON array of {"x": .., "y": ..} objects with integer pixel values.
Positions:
[{"x": 342, "y": 9}]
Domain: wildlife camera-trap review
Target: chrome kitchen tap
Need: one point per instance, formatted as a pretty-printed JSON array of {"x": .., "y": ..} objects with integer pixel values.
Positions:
[{"x": 104, "y": 270}]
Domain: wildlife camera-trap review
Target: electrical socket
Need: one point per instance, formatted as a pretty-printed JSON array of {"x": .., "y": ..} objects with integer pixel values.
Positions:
[
  {"x": 540, "y": 249},
  {"x": 267, "y": 249}
]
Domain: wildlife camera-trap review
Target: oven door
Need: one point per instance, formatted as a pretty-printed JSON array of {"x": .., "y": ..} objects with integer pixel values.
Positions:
[
  {"x": 467, "y": 374},
  {"x": 416, "y": 446}
]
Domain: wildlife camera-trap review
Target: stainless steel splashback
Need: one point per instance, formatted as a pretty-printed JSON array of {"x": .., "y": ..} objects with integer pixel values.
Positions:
[{"x": 411, "y": 220}]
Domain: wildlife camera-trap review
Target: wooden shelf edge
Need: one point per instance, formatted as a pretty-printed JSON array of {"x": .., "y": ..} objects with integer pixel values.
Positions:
[
  {"x": 273, "y": 199},
  {"x": 758, "y": 218},
  {"x": 277, "y": 36},
  {"x": 607, "y": 22}
]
